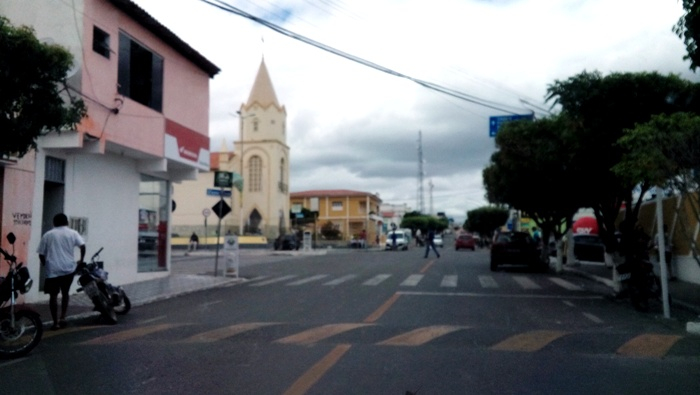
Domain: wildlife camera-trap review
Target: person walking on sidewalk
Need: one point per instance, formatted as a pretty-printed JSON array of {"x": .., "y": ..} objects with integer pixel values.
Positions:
[
  {"x": 56, "y": 253},
  {"x": 429, "y": 243}
]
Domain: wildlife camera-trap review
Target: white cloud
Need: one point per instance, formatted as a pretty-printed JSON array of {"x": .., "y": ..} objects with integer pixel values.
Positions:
[{"x": 354, "y": 127}]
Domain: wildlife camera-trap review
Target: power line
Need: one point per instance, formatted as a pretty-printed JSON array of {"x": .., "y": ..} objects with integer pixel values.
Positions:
[{"x": 451, "y": 92}]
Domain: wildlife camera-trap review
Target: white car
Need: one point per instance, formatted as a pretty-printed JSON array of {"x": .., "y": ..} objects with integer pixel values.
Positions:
[
  {"x": 437, "y": 240},
  {"x": 403, "y": 239}
]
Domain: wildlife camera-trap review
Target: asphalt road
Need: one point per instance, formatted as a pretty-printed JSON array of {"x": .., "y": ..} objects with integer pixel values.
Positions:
[{"x": 363, "y": 322}]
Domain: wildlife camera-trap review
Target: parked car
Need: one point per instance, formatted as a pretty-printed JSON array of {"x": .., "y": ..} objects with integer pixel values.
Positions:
[
  {"x": 516, "y": 248},
  {"x": 589, "y": 247},
  {"x": 437, "y": 240},
  {"x": 465, "y": 241},
  {"x": 403, "y": 240},
  {"x": 287, "y": 242}
]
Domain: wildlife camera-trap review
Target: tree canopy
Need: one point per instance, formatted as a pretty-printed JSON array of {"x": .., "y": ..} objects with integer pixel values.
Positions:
[
  {"x": 688, "y": 29},
  {"x": 33, "y": 95},
  {"x": 485, "y": 220}
]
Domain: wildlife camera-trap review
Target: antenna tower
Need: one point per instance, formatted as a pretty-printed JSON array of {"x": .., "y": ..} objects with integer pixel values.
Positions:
[{"x": 420, "y": 173}]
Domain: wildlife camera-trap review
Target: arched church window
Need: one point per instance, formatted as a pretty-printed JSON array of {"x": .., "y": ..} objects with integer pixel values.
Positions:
[
  {"x": 255, "y": 124},
  {"x": 255, "y": 174}
]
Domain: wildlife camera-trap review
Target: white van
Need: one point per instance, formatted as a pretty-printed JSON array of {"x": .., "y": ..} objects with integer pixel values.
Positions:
[{"x": 403, "y": 240}]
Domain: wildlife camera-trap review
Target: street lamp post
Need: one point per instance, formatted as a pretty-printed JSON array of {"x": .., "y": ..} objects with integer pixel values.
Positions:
[{"x": 240, "y": 201}]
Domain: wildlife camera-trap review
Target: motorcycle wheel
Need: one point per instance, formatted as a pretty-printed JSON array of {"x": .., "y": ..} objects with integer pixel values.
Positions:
[
  {"x": 108, "y": 314},
  {"x": 20, "y": 339},
  {"x": 124, "y": 306}
]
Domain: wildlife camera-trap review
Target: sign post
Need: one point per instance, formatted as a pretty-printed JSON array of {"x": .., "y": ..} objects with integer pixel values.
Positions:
[
  {"x": 222, "y": 179},
  {"x": 206, "y": 212},
  {"x": 495, "y": 123}
]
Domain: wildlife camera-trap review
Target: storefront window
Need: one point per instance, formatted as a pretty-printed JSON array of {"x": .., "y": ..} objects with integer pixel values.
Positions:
[{"x": 154, "y": 214}]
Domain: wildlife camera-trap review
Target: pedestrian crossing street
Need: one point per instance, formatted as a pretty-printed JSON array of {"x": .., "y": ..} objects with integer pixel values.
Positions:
[{"x": 414, "y": 280}]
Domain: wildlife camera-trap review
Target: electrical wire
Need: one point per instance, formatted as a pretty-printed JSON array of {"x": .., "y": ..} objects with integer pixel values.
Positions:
[{"x": 450, "y": 92}]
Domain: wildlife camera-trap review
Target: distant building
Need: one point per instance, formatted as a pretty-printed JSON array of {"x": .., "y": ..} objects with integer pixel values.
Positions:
[
  {"x": 393, "y": 213},
  {"x": 350, "y": 212},
  {"x": 147, "y": 128},
  {"x": 262, "y": 207}
]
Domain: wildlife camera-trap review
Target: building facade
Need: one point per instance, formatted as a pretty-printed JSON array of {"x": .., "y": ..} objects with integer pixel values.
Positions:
[
  {"x": 261, "y": 157},
  {"x": 349, "y": 212},
  {"x": 147, "y": 127}
]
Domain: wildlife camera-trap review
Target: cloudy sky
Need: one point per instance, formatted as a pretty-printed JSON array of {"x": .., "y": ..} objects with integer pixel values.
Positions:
[{"x": 354, "y": 127}]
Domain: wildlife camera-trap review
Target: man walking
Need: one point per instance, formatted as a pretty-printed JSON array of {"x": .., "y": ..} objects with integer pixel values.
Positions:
[
  {"x": 429, "y": 243},
  {"x": 56, "y": 251}
]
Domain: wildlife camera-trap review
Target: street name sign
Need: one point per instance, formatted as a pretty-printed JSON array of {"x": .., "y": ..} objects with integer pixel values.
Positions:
[
  {"x": 496, "y": 122},
  {"x": 218, "y": 192}
]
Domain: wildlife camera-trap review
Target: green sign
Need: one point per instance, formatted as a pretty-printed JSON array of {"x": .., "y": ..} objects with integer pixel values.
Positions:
[
  {"x": 223, "y": 179},
  {"x": 238, "y": 182}
]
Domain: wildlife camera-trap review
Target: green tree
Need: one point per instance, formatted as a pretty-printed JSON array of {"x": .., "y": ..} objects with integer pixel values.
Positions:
[
  {"x": 484, "y": 220},
  {"x": 531, "y": 171},
  {"x": 417, "y": 221},
  {"x": 600, "y": 109},
  {"x": 330, "y": 232},
  {"x": 688, "y": 29},
  {"x": 666, "y": 152},
  {"x": 34, "y": 91}
]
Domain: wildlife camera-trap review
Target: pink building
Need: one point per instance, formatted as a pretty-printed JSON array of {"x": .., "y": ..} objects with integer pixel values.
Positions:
[{"x": 147, "y": 94}]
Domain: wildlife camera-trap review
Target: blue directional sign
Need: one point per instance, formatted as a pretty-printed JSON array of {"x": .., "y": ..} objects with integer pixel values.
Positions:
[
  {"x": 496, "y": 122},
  {"x": 218, "y": 192}
]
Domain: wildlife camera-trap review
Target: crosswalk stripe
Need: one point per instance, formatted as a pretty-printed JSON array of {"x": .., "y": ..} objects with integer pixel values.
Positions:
[
  {"x": 226, "y": 332},
  {"x": 317, "y": 334},
  {"x": 273, "y": 280},
  {"x": 420, "y": 336},
  {"x": 309, "y": 279},
  {"x": 565, "y": 284},
  {"x": 648, "y": 345},
  {"x": 449, "y": 281},
  {"x": 130, "y": 334},
  {"x": 412, "y": 280},
  {"x": 526, "y": 282},
  {"x": 376, "y": 280},
  {"x": 341, "y": 280},
  {"x": 529, "y": 341},
  {"x": 488, "y": 282},
  {"x": 593, "y": 318}
]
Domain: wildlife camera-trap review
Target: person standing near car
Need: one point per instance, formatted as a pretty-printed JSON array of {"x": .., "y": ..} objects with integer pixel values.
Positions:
[
  {"x": 56, "y": 253},
  {"x": 430, "y": 243}
]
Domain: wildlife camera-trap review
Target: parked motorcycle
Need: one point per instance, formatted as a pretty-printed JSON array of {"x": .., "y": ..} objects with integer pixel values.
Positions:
[
  {"x": 20, "y": 327},
  {"x": 639, "y": 282},
  {"x": 108, "y": 299}
]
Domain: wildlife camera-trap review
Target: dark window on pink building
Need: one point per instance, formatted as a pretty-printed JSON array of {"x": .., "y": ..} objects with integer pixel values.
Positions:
[
  {"x": 140, "y": 73},
  {"x": 100, "y": 41}
]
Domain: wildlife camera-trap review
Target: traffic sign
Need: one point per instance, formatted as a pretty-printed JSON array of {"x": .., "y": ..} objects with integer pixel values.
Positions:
[
  {"x": 223, "y": 179},
  {"x": 206, "y": 212},
  {"x": 218, "y": 192},
  {"x": 221, "y": 208},
  {"x": 496, "y": 122}
]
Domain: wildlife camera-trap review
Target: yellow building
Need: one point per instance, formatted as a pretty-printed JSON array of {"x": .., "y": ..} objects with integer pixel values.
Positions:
[{"x": 350, "y": 212}]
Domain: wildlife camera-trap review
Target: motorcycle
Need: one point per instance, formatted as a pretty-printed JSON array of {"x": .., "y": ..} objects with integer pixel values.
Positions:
[
  {"x": 20, "y": 327},
  {"x": 108, "y": 299},
  {"x": 638, "y": 281}
]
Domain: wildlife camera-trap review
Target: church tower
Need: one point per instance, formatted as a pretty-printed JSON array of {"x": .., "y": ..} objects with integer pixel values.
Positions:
[{"x": 263, "y": 161}]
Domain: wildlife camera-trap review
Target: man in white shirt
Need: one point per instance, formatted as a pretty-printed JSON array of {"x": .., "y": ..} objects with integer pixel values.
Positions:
[{"x": 56, "y": 253}]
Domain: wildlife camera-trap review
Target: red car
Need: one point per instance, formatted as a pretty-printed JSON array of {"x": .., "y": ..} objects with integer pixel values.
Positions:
[{"x": 465, "y": 241}]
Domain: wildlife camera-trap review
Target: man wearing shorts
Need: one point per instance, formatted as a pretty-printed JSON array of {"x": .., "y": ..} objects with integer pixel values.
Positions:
[{"x": 56, "y": 251}]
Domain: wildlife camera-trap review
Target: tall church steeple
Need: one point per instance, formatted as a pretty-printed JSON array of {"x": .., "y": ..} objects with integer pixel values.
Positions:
[{"x": 262, "y": 93}]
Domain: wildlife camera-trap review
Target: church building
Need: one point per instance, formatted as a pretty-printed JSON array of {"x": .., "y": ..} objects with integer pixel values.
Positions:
[{"x": 261, "y": 157}]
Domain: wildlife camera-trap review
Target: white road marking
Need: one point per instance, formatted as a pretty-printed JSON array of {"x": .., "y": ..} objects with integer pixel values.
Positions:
[
  {"x": 593, "y": 318},
  {"x": 449, "y": 281},
  {"x": 309, "y": 279},
  {"x": 565, "y": 284},
  {"x": 376, "y": 279},
  {"x": 341, "y": 280},
  {"x": 488, "y": 282},
  {"x": 487, "y": 295},
  {"x": 274, "y": 280},
  {"x": 568, "y": 303},
  {"x": 412, "y": 280},
  {"x": 154, "y": 319},
  {"x": 526, "y": 282}
]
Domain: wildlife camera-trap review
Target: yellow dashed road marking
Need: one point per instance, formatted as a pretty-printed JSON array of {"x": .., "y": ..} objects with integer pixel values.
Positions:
[
  {"x": 226, "y": 332},
  {"x": 308, "y": 379},
  {"x": 420, "y": 336},
  {"x": 648, "y": 345},
  {"x": 529, "y": 341},
  {"x": 130, "y": 334},
  {"x": 314, "y": 335}
]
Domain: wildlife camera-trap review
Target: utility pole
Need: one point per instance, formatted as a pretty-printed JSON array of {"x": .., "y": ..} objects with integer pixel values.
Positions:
[
  {"x": 420, "y": 173},
  {"x": 430, "y": 186}
]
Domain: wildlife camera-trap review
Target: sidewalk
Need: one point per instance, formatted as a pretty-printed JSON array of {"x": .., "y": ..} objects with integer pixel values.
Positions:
[{"x": 683, "y": 294}]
